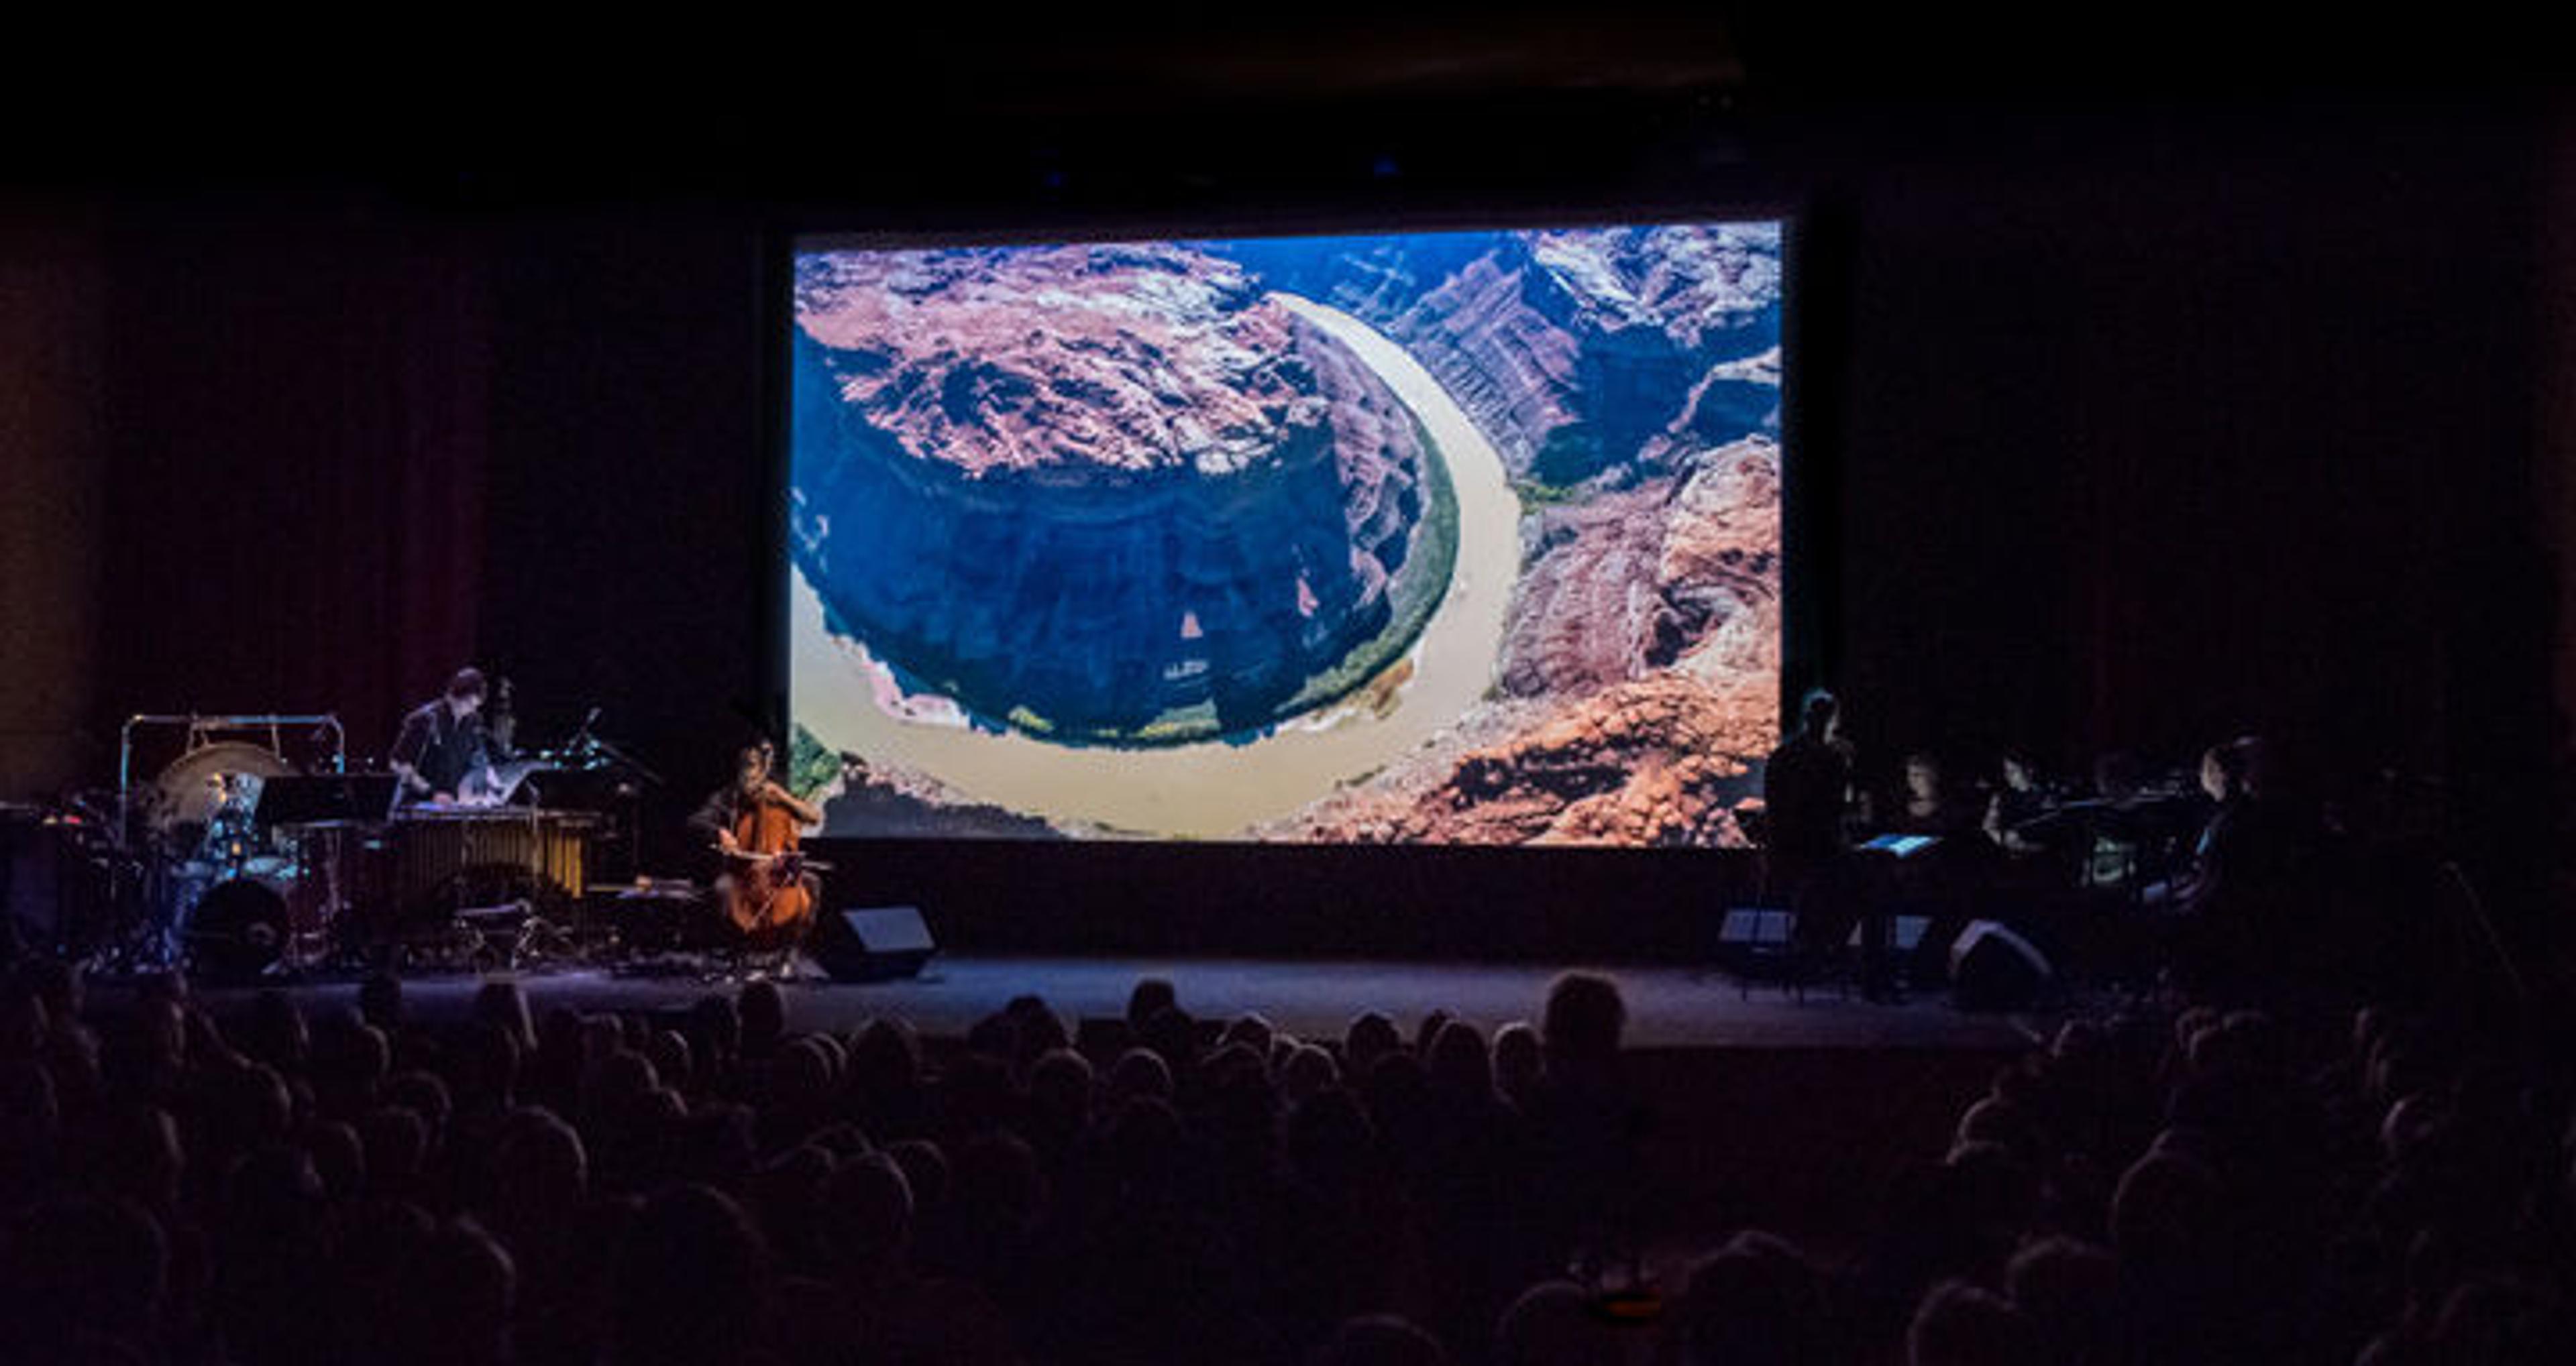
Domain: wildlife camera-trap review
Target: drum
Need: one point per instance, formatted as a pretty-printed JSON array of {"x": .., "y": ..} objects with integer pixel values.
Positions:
[{"x": 343, "y": 879}]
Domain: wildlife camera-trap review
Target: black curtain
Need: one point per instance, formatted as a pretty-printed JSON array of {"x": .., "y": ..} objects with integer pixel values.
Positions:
[{"x": 298, "y": 426}]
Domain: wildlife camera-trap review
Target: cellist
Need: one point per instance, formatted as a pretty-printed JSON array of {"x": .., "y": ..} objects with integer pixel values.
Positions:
[{"x": 755, "y": 823}]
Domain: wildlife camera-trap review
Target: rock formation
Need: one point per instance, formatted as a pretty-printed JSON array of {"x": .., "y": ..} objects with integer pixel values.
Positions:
[
  {"x": 1649, "y": 762},
  {"x": 1105, "y": 493},
  {"x": 1572, "y": 350},
  {"x": 1646, "y": 642}
]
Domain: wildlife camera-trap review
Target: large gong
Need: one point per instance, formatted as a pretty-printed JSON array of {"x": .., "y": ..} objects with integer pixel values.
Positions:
[{"x": 193, "y": 785}]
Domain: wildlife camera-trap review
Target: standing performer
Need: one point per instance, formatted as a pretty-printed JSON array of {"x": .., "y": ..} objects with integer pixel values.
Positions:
[
  {"x": 1806, "y": 792},
  {"x": 766, "y": 890},
  {"x": 443, "y": 753}
]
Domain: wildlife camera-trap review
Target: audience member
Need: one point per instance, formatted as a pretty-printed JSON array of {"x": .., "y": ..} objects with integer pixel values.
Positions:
[{"x": 2163, "y": 1184}]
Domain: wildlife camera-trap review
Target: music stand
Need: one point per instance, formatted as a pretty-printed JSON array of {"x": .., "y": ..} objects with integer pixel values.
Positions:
[
  {"x": 313, "y": 800},
  {"x": 508, "y": 777},
  {"x": 1878, "y": 920}
]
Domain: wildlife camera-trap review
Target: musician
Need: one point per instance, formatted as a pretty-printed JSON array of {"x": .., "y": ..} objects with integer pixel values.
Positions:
[
  {"x": 443, "y": 751},
  {"x": 748, "y": 822},
  {"x": 1929, "y": 807},
  {"x": 1806, "y": 784},
  {"x": 2018, "y": 807},
  {"x": 2228, "y": 850}
]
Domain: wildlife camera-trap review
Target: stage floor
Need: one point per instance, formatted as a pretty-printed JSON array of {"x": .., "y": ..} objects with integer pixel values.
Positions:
[{"x": 1667, "y": 1007}]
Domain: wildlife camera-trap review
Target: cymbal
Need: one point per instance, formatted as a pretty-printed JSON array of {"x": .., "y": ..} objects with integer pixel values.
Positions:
[{"x": 188, "y": 788}]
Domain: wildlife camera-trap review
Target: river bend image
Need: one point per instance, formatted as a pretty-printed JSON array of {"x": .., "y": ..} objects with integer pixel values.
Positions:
[{"x": 1451, "y": 537}]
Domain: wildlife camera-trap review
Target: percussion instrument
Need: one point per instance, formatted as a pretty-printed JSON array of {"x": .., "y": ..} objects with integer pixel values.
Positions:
[
  {"x": 447, "y": 859},
  {"x": 188, "y": 793}
]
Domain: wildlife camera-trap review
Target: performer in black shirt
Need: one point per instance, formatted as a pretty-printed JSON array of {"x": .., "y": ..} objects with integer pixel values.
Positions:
[
  {"x": 443, "y": 747},
  {"x": 1806, "y": 785},
  {"x": 2019, "y": 808}
]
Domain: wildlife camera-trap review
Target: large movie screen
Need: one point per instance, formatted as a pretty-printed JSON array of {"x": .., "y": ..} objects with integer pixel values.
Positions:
[{"x": 1457, "y": 537}]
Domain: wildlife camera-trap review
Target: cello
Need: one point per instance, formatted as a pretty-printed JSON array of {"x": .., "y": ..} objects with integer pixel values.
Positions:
[{"x": 771, "y": 891}]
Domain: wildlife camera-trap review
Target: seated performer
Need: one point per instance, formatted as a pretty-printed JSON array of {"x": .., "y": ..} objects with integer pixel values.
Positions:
[
  {"x": 443, "y": 755},
  {"x": 2020, "y": 808},
  {"x": 754, "y": 822},
  {"x": 2228, "y": 849},
  {"x": 1929, "y": 807}
]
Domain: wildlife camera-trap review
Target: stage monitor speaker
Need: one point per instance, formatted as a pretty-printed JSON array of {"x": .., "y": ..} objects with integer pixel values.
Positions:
[
  {"x": 872, "y": 943},
  {"x": 1994, "y": 968}
]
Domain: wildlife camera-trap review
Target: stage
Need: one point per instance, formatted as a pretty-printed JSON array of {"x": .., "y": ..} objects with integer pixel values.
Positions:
[{"x": 1668, "y": 1008}]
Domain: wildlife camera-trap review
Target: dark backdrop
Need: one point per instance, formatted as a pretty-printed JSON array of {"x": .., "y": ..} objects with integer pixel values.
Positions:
[{"x": 2120, "y": 424}]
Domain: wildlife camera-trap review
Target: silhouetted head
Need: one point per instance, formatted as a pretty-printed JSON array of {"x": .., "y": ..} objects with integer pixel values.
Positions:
[
  {"x": 1428, "y": 1030},
  {"x": 1552, "y": 1324},
  {"x": 1329, "y": 1140},
  {"x": 925, "y": 1170},
  {"x": 1151, "y": 994},
  {"x": 1251, "y": 1030},
  {"x": 1381, "y": 1340},
  {"x": 454, "y": 1309},
  {"x": 1754, "y": 1301},
  {"x": 2070, "y": 1291},
  {"x": 1040, "y": 1028},
  {"x": 1140, "y": 1072},
  {"x": 1818, "y": 712},
  {"x": 1146, "y": 1139},
  {"x": 1309, "y": 1069},
  {"x": 2162, "y": 1216},
  {"x": 995, "y": 1184},
  {"x": 1585, "y": 1017},
  {"x": 1370, "y": 1037},
  {"x": 1462, "y": 1072},
  {"x": 690, "y": 1282},
  {"x": 867, "y": 1213},
  {"x": 1960, "y": 1325},
  {"x": 538, "y": 1163},
  {"x": 1060, "y": 1092}
]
